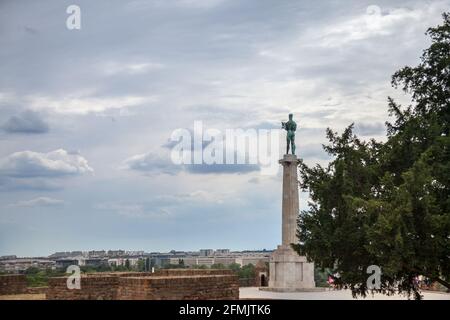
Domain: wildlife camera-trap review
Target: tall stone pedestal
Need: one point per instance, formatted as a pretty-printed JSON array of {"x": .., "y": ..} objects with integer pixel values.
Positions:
[{"x": 287, "y": 270}]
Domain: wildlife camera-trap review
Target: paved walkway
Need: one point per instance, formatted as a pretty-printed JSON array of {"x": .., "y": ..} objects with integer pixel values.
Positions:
[{"x": 255, "y": 293}]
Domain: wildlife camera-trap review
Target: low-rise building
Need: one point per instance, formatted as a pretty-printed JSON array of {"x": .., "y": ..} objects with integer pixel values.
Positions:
[
  {"x": 206, "y": 252},
  {"x": 63, "y": 264},
  {"x": 222, "y": 252},
  {"x": 19, "y": 265},
  {"x": 95, "y": 262}
]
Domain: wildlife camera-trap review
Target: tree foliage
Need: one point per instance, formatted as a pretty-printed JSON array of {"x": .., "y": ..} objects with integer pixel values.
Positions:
[{"x": 388, "y": 204}]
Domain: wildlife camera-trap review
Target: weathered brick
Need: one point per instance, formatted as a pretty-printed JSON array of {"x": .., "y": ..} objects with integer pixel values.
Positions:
[
  {"x": 165, "y": 284},
  {"x": 13, "y": 284}
]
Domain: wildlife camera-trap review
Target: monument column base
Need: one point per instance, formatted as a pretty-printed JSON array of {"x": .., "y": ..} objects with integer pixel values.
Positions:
[{"x": 290, "y": 272}]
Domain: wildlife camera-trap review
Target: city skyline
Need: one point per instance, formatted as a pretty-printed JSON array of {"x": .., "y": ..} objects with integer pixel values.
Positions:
[{"x": 140, "y": 251}]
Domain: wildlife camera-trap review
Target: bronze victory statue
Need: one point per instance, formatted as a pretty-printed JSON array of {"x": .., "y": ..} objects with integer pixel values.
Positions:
[{"x": 290, "y": 127}]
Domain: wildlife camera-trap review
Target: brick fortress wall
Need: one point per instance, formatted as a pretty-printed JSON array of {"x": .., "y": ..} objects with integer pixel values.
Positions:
[
  {"x": 13, "y": 284},
  {"x": 167, "y": 284},
  {"x": 93, "y": 287}
]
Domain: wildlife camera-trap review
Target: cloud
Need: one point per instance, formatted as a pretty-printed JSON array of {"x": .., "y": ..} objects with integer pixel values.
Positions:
[
  {"x": 198, "y": 197},
  {"x": 153, "y": 162},
  {"x": 168, "y": 204},
  {"x": 221, "y": 168},
  {"x": 57, "y": 163},
  {"x": 370, "y": 129},
  {"x": 372, "y": 23},
  {"x": 27, "y": 122},
  {"x": 9, "y": 184},
  {"x": 79, "y": 104},
  {"x": 31, "y": 31},
  {"x": 255, "y": 180},
  {"x": 313, "y": 151},
  {"x": 38, "y": 202},
  {"x": 115, "y": 68},
  {"x": 169, "y": 144},
  {"x": 133, "y": 210}
]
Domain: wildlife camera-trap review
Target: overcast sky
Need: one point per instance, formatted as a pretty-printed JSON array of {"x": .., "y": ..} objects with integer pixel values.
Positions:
[{"x": 86, "y": 115}]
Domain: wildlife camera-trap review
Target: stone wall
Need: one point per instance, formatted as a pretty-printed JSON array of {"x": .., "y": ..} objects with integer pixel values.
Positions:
[
  {"x": 13, "y": 284},
  {"x": 167, "y": 284}
]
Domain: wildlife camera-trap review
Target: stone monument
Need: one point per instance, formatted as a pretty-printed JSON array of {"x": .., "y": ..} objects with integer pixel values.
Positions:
[{"x": 287, "y": 270}]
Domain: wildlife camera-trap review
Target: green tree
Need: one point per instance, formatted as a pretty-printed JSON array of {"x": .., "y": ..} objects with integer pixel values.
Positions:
[
  {"x": 39, "y": 277},
  {"x": 247, "y": 271},
  {"x": 388, "y": 204},
  {"x": 148, "y": 266},
  {"x": 235, "y": 267},
  {"x": 141, "y": 265}
]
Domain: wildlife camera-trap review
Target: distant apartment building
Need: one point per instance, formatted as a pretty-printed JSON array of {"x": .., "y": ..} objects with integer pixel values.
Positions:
[
  {"x": 209, "y": 261},
  {"x": 206, "y": 252},
  {"x": 222, "y": 252},
  {"x": 11, "y": 257},
  {"x": 95, "y": 262},
  {"x": 116, "y": 253},
  {"x": 135, "y": 253},
  {"x": 19, "y": 265},
  {"x": 117, "y": 262},
  {"x": 59, "y": 255},
  {"x": 97, "y": 253},
  {"x": 62, "y": 264},
  {"x": 178, "y": 260},
  {"x": 243, "y": 261},
  {"x": 224, "y": 260},
  {"x": 197, "y": 261}
]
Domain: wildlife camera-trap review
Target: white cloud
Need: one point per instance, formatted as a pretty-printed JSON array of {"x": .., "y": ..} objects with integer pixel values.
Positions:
[
  {"x": 26, "y": 164},
  {"x": 113, "y": 68},
  {"x": 38, "y": 202},
  {"x": 84, "y": 105},
  {"x": 370, "y": 24},
  {"x": 7, "y": 97}
]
